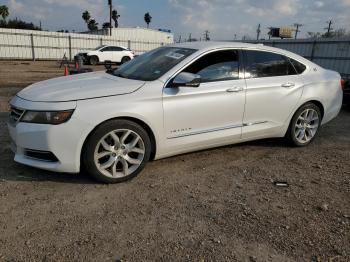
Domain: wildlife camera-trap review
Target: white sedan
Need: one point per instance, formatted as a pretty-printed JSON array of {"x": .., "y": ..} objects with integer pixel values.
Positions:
[
  {"x": 103, "y": 53},
  {"x": 172, "y": 100}
]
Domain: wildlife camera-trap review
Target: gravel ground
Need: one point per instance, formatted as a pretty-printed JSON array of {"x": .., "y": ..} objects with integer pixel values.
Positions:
[{"x": 214, "y": 205}]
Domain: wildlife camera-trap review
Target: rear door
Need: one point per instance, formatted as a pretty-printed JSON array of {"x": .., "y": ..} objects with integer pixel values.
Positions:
[
  {"x": 273, "y": 90},
  {"x": 117, "y": 53}
]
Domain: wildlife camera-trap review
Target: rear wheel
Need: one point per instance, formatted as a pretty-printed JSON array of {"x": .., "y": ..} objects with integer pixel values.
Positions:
[
  {"x": 125, "y": 59},
  {"x": 93, "y": 60},
  {"x": 304, "y": 125},
  {"x": 117, "y": 151}
]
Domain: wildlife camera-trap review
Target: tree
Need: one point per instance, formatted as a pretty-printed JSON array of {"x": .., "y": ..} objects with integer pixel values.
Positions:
[
  {"x": 148, "y": 19},
  {"x": 314, "y": 34},
  {"x": 115, "y": 17},
  {"x": 92, "y": 25},
  {"x": 106, "y": 25},
  {"x": 18, "y": 24},
  {"x": 86, "y": 17},
  {"x": 4, "y": 12}
]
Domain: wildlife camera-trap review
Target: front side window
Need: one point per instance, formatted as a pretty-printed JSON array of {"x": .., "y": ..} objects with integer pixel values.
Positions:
[
  {"x": 216, "y": 66},
  {"x": 152, "y": 65},
  {"x": 265, "y": 64},
  {"x": 106, "y": 49}
]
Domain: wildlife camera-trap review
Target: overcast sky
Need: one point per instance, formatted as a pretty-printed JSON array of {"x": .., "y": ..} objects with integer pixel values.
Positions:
[{"x": 223, "y": 18}]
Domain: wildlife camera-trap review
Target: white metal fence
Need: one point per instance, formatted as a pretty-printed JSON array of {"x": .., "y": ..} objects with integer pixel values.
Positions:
[
  {"x": 330, "y": 54},
  {"x": 29, "y": 44}
]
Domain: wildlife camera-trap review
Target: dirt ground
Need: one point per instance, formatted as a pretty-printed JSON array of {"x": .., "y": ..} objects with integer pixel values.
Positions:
[
  {"x": 15, "y": 75},
  {"x": 214, "y": 205}
]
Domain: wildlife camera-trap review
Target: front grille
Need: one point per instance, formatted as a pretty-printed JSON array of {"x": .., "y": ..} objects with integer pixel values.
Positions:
[{"x": 16, "y": 114}]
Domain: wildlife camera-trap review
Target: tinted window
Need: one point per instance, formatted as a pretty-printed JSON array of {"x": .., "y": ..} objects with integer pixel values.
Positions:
[
  {"x": 115, "y": 48},
  {"x": 299, "y": 67},
  {"x": 99, "y": 47},
  {"x": 217, "y": 66},
  {"x": 153, "y": 64},
  {"x": 106, "y": 49},
  {"x": 266, "y": 64}
]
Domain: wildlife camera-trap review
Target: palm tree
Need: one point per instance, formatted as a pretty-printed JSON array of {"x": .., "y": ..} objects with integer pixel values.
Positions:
[
  {"x": 86, "y": 17},
  {"x": 115, "y": 17},
  {"x": 106, "y": 25},
  {"x": 148, "y": 19},
  {"x": 92, "y": 25},
  {"x": 4, "y": 11}
]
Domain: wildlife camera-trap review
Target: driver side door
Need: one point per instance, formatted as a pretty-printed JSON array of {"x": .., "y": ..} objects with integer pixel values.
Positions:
[{"x": 212, "y": 112}]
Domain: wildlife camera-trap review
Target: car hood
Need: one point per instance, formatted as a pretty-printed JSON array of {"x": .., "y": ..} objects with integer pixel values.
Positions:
[{"x": 77, "y": 87}]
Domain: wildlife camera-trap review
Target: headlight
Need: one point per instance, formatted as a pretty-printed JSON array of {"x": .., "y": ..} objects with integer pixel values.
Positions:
[{"x": 50, "y": 117}]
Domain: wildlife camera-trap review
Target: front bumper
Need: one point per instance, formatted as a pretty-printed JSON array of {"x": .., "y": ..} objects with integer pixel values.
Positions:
[{"x": 63, "y": 141}]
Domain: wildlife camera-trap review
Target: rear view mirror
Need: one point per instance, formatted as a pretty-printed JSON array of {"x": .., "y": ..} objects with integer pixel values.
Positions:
[{"x": 187, "y": 80}]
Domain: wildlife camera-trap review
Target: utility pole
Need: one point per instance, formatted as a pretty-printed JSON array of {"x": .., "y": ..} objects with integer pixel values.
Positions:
[
  {"x": 296, "y": 25},
  {"x": 258, "y": 32},
  {"x": 206, "y": 35},
  {"x": 110, "y": 17},
  {"x": 329, "y": 28}
]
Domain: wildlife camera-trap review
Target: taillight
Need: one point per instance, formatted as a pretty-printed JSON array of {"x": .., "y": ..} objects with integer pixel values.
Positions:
[{"x": 342, "y": 84}]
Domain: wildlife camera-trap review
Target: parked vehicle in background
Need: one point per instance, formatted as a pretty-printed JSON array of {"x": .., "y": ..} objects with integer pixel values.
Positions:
[
  {"x": 115, "y": 54},
  {"x": 172, "y": 100},
  {"x": 346, "y": 88}
]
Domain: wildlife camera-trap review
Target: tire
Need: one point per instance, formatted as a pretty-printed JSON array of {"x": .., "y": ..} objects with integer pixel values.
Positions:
[
  {"x": 304, "y": 125},
  {"x": 122, "y": 160},
  {"x": 93, "y": 60},
  {"x": 125, "y": 59}
]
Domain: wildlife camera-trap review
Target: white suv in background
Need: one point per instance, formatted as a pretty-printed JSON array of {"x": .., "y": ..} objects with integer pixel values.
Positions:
[{"x": 115, "y": 54}]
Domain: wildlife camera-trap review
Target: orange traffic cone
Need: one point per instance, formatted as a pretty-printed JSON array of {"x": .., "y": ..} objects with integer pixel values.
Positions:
[{"x": 66, "y": 71}]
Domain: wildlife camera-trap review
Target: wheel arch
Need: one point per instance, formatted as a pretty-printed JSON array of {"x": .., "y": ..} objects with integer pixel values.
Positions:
[
  {"x": 142, "y": 123},
  {"x": 317, "y": 103}
]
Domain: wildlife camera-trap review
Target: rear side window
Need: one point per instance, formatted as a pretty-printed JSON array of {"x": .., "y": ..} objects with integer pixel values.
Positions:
[
  {"x": 265, "y": 64},
  {"x": 216, "y": 66},
  {"x": 299, "y": 67},
  {"x": 116, "y": 48}
]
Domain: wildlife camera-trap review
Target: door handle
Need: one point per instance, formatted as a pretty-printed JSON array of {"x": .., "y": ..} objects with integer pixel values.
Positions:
[
  {"x": 288, "y": 85},
  {"x": 234, "y": 89}
]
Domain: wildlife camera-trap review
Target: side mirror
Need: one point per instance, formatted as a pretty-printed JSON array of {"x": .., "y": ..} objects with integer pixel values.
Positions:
[{"x": 187, "y": 80}]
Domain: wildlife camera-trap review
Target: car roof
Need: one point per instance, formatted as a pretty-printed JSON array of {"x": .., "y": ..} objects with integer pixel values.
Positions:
[
  {"x": 204, "y": 46},
  {"x": 213, "y": 45}
]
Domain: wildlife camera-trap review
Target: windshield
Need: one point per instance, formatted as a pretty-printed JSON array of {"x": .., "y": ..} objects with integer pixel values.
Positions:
[
  {"x": 152, "y": 65},
  {"x": 99, "y": 47}
]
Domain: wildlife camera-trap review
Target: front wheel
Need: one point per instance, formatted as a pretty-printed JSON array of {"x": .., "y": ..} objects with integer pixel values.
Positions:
[
  {"x": 304, "y": 125},
  {"x": 93, "y": 60},
  {"x": 117, "y": 151}
]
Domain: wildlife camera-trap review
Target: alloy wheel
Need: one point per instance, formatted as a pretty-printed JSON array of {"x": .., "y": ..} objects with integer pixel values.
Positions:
[
  {"x": 119, "y": 153},
  {"x": 306, "y": 126}
]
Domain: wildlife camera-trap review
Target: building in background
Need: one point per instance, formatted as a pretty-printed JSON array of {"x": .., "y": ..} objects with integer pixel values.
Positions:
[{"x": 136, "y": 34}]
